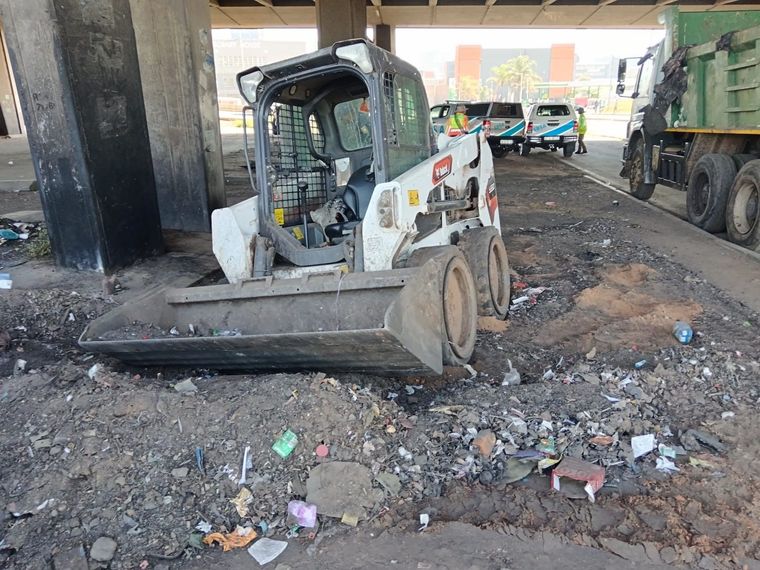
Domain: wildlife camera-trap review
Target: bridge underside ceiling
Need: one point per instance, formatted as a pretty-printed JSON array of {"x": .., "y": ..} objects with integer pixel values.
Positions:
[{"x": 468, "y": 13}]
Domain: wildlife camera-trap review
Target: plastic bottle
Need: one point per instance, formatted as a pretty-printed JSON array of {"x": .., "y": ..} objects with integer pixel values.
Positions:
[
  {"x": 682, "y": 331},
  {"x": 511, "y": 377}
]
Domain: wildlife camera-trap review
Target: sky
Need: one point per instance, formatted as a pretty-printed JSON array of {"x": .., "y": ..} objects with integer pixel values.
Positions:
[{"x": 616, "y": 43}]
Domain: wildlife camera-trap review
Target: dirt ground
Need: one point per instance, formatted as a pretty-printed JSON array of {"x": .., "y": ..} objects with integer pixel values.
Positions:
[{"x": 91, "y": 449}]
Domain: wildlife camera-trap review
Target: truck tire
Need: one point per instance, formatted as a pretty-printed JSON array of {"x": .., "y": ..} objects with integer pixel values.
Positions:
[
  {"x": 741, "y": 159},
  {"x": 568, "y": 150},
  {"x": 743, "y": 207},
  {"x": 709, "y": 184},
  {"x": 459, "y": 304},
  {"x": 524, "y": 149},
  {"x": 486, "y": 255},
  {"x": 637, "y": 187}
]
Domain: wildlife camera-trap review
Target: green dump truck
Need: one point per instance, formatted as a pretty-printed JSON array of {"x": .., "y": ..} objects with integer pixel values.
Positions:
[{"x": 695, "y": 119}]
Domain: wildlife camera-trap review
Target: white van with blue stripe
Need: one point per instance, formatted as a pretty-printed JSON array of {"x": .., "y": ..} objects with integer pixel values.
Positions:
[
  {"x": 503, "y": 123},
  {"x": 551, "y": 126}
]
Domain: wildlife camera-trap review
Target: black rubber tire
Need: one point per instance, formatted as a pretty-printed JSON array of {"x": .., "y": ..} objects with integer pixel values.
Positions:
[
  {"x": 499, "y": 151},
  {"x": 524, "y": 150},
  {"x": 460, "y": 315},
  {"x": 459, "y": 303},
  {"x": 636, "y": 185},
  {"x": 743, "y": 207},
  {"x": 568, "y": 150},
  {"x": 486, "y": 255},
  {"x": 741, "y": 159},
  {"x": 709, "y": 184}
]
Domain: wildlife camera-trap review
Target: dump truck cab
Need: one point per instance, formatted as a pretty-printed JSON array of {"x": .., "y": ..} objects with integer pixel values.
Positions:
[{"x": 341, "y": 122}]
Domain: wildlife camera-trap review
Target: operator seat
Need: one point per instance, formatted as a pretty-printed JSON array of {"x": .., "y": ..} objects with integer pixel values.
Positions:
[{"x": 357, "y": 196}]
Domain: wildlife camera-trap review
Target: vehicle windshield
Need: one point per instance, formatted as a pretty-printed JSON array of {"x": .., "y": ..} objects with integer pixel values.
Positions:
[{"x": 508, "y": 110}]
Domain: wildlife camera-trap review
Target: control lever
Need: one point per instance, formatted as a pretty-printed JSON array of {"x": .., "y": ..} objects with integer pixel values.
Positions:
[{"x": 303, "y": 186}]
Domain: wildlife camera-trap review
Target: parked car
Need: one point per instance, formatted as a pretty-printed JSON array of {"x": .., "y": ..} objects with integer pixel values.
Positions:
[
  {"x": 551, "y": 126},
  {"x": 504, "y": 122}
]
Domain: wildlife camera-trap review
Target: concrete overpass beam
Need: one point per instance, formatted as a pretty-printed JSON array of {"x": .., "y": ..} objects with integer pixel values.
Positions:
[
  {"x": 78, "y": 79},
  {"x": 179, "y": 88},
  {"x": 385, "y": 37},
  {"x": 339, "y": 20}
]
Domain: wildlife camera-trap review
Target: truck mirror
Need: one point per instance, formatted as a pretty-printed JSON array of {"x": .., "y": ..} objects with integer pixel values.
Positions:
[
  {"x": 622, "y": 66},
  {"x": 620, "y": 89}
]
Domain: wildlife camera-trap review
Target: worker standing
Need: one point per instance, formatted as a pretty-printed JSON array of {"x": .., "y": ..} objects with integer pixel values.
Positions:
[
  {"x": 457, "y": 123},
  {"x": 581, "y": 131}
]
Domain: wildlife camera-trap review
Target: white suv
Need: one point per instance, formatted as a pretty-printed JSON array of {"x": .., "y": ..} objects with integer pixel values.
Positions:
[{"x": 551, "y": 126}]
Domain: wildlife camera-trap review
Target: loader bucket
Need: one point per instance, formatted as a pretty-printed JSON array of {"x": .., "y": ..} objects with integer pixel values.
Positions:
[{"x": 385, "y": 322}]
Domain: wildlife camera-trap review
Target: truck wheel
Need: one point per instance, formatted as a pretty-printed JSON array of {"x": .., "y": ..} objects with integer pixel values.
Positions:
[
  {"x": 524, "y": 150},
  {"x": 743, "y": 208},
  {"x": 709, "y": 184},
  {"x": 499, "y": 151},
  {"x": 637, "y": 187},
  {"x": 486, "y": 255},
  {"x": 568, "y": 150},
  {"x": 741, "y": 159}
]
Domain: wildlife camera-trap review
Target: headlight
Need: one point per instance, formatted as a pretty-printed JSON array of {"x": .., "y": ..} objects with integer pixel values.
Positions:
[
  {"x": 358, "y": 53},
  {"x": 248, "y": 85},
  {"x": 386, "y": 209}
]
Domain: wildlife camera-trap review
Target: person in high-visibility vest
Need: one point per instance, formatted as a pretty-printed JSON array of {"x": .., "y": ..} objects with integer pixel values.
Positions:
[
  {"x": 457, "y": 123},
  {"x": 581, "y": 131}
]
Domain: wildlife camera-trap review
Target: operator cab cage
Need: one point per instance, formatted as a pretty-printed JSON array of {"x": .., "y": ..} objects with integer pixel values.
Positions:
[{"x": 329, "y": 127}]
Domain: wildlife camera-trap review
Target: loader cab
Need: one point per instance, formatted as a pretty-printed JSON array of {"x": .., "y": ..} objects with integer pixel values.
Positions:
[{"x": 336, "y": 123}]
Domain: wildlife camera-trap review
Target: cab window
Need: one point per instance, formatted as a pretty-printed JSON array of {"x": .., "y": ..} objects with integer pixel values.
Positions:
[
  {"x": 354, "y": 124},
  {"x": 553, "y": 111}
]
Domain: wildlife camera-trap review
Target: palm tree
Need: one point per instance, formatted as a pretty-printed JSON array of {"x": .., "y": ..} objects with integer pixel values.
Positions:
[
  {"x": 519, "y": 73},
  {"x": 468, "y": 88},
  {"x": 501, "y": 77}
]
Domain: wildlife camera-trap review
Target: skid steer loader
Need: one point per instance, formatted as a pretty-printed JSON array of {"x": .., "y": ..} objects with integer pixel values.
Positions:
[{"x": 368, "y": 244}]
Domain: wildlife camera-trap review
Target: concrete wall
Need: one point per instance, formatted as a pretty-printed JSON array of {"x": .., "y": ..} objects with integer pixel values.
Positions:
[{"x": 179, "y": 88}]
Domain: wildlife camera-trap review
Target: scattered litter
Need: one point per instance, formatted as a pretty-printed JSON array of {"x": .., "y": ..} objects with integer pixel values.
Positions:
[
  {"x": 591, "y": 354},
  {"x": 606, "y": 242},
  {"x": 246, "y": 465},
  {"x": 322, "y": 450},
  {"x": 511, "y": 376},
  {"x": 424, "y": 521},
  {"x": 666, "y": 451},
  {"x": 199, "y": 461},
  {"x": 285, "y": 444},
  {"x": 204, "y": 527},
  {"x": 186, "y": 387},
  {"x": 303, "y": 514},
  {"x": 8, "y": 235},
  {"x": 349, "y": 519},
  {"x": 602, "y": 440},
  {"x": 470, "y": 370},
  {"x": 642, "y": 444},
  {"x": 683, "y": 332},
  {"x": 484, "y": 441},
  {"x": 265, "y": 550},
  {"x": 640, "y": 364},
  {"x": 697, "y": 462},
  {"x": 19, "y": 367},
  {"x": 516, "y": 470},
  {"x": 612, "y": 399},
  {"x": 241, "y": 502},
  {"x": 5, "y": 281},
  {"x": 666, "y": 465},
  {"x": 579, "y": 470},
  {"x": 727, "y": 415},
  {"x": 239, "y": 538}
]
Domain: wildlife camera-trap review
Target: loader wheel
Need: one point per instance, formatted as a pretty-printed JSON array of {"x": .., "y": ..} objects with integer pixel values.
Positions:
[
  {"x": 709, "y": 184},
  {"x": 743, "y": 208},
  {"x": 486, "y": 255},
  {"x": 459, "y": 313}
]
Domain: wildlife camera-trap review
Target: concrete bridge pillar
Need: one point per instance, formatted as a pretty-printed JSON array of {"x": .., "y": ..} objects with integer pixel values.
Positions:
[{"x": 339, "y": 20}]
